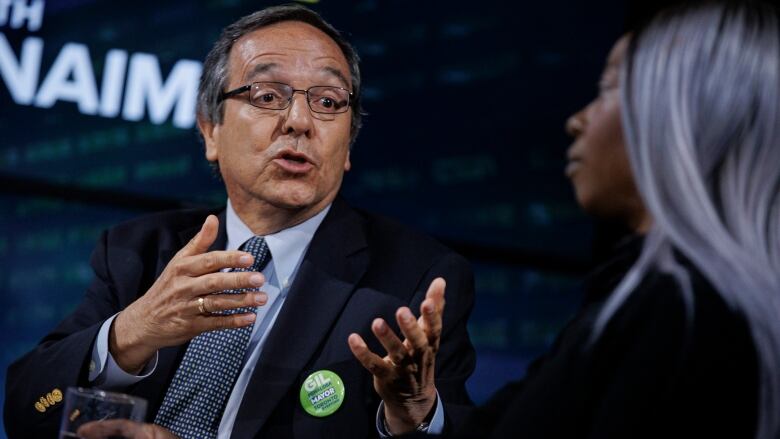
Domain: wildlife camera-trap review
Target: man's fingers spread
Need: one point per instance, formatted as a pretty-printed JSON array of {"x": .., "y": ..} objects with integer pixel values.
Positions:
[
  {"x": 436, "y": 289},
  {"x": 431, "y": 316},
  {"x": 392, "y": 344},
  {"x": 216, "y": 282},
  {"x": 411, "y": 330},
  {"x": 356, "y": 343},
  {"x": 432, "y": 308},
  {"x": 357, "y": 346},
  {"x": 371, "y": 361},
  {"x": 431, "y": 322},
  {"x": 214, "y": 261}
]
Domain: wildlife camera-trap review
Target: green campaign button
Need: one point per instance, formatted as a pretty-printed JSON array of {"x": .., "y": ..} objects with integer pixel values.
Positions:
[{"x": 322, "y": 393}]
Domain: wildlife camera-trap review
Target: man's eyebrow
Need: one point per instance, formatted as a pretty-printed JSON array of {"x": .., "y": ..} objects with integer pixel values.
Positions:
[
  {"x": 260, "y": 69},
  {"x": 337, "y": 73}
]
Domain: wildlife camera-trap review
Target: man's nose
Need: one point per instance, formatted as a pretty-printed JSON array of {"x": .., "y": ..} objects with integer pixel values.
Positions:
[
  {"x": 575, "y": 124},
  {"x": 298, "y": 118}
]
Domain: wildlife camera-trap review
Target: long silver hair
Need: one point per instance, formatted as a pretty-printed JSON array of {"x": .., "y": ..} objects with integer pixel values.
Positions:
[{"x": 701, "y": 115}]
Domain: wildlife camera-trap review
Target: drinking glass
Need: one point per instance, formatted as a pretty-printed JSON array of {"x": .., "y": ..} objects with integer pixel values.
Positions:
[{"x": 86, "y": 405}]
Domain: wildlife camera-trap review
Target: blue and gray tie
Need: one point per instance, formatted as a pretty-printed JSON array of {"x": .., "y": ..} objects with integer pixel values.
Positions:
[{"x": 196, "y": 397}]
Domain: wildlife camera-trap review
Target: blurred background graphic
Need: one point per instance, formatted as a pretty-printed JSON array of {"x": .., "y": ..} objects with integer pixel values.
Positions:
[{"x": 464, "y": 140}]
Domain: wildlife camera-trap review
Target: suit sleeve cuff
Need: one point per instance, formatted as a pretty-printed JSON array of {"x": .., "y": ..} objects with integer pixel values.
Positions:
[
  {"x": 436, "y": 426},
  {"x": 104, "y": 372}
]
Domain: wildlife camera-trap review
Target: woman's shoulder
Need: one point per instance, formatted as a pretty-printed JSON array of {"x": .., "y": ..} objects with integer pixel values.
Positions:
[
  {"x": 684, "y": 317},
  {"x": 685, "y": 297},
  {"x": 694, "y": 347},
  {"x": 683, "y": 304}
]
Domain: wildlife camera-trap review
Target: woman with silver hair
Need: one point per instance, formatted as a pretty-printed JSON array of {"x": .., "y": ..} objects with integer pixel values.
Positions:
[{"x": 679, "y": 335}]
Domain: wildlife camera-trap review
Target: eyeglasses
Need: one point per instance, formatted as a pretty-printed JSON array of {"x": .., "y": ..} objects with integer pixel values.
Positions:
[{"x": 277, "y": 96}]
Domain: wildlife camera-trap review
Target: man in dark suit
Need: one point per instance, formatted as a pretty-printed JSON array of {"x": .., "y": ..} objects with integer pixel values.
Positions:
[{"x": 175, "y": 313}]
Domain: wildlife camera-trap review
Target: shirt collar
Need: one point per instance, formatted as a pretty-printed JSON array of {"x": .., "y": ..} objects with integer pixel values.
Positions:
[{"x": 286, "y": 246}]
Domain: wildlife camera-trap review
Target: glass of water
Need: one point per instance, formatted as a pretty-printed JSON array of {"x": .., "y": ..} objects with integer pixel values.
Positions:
[{"x": 86, "y": 405}]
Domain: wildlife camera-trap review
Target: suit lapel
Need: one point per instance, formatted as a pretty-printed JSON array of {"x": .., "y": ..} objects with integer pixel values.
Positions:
[{"x": 334, "y": 263}]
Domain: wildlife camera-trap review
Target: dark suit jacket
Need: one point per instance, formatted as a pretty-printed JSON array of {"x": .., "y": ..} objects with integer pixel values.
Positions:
[
  {"x": 358, "y": 267},
  {"x": 656, "y": 371}
]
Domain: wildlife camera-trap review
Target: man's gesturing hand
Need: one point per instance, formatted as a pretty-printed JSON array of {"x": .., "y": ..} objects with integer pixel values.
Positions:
[
  {"x": 404, "y": 378},
  {"x": 170, "y": 312}
]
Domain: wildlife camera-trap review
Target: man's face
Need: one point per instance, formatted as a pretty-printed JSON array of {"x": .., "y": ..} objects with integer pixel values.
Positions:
[
  {"x": 598, "y": 163},
  {"x": 293, "y": 158}
]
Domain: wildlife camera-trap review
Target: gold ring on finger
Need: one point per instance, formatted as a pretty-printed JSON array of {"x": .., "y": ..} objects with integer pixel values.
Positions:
[{"x": 202, "y": 306}]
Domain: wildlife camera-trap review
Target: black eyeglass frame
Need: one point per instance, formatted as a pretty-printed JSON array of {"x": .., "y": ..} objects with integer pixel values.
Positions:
[{"x": 245, "y": 88}]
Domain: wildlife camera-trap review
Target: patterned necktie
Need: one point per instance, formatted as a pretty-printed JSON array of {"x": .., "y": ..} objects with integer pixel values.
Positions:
[{"x": 196, "y": 398}]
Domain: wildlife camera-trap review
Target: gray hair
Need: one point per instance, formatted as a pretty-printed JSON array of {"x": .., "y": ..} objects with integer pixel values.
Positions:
[
  {"x": 214, "y": 79},
  {"x": 700, "y": 95}
]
